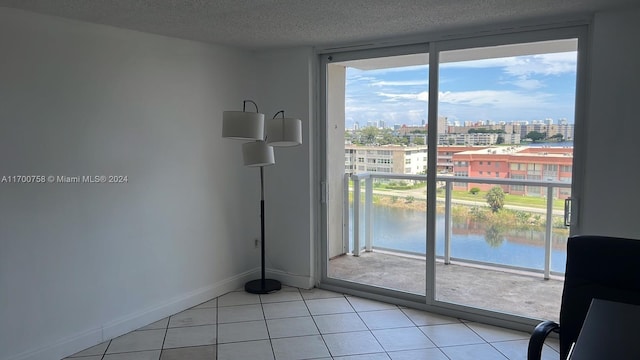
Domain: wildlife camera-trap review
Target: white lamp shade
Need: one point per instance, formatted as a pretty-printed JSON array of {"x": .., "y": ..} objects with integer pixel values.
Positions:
[
  {"x": 242, "y": 125},
  {"x": 257, "y": 153},
  {"x": 284, "y": 132}
]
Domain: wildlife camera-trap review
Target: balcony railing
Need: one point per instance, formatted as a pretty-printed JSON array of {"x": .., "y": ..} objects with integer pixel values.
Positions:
[{"x": 447, "y": 183}]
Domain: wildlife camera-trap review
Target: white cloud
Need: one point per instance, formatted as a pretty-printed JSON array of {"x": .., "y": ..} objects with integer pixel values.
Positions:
[
  {"x": 543, "y": 64},
  {"x": 496, "y": 98},
  {"x": 422, "y": 96},
  {"x": 401, "y": 83},
  {"x": 493, "y": 98},
  {"x": 527, "y": 84}
]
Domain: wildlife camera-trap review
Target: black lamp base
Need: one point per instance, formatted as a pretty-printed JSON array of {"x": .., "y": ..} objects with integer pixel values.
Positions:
[{"x": 255, "y": 286}]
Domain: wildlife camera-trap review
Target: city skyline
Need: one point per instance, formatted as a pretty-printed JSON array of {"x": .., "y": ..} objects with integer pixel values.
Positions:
[{"x": 518, "y": 88}]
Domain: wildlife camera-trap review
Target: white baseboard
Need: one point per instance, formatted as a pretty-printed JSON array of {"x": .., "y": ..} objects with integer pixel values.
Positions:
[
  {"x": 69, "y": 345},
  {"x": 299, "y": 281}
]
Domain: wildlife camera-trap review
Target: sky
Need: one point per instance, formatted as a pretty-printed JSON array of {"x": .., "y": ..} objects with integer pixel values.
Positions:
[{"x": 532, "y": 87}]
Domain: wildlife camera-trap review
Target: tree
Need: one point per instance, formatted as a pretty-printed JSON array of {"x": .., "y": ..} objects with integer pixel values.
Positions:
[
  {"x": 387, "y": 137},
  {"x": 535, "y": 136},
  {"x": 500, "y": 140},
  {"x": 418, "y": 140},
  {"x": 369, "y": 134},
  {"x": 474, "y": 190},
  {"x": 557, "y": 137},
  {"x": 495, "y": 198}
]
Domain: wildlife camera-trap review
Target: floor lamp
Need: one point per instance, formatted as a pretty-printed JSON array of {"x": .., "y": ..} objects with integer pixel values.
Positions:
[{"x": 280, "y": 132}]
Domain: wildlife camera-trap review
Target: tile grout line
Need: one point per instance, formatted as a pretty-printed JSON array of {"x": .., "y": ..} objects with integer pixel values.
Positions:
[
  {"x": 415, "y": 325},
  {"x": 367, "y": 326},
  {"x": 485, "y": 340},
  {"x": 264, "y": 317},
  {"x": 166, "y": 330},
  {"x": 422, "y": 332},
  {"x": 316, "y": 324},
  {"x": 104, "y": 353}
]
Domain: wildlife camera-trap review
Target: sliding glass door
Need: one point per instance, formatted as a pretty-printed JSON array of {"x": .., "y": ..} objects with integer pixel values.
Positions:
[
  {"x": 375, "y": 176},
  {"x": 446, "y": 170},
  {"x": 507, "y": 143}
]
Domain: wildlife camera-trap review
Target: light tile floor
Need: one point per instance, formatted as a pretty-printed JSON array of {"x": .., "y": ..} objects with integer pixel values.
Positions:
[{"x": 312, "y": 324}]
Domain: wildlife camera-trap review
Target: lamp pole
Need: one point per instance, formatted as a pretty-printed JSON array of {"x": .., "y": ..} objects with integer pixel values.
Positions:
[{"x": 262, "y": 285}]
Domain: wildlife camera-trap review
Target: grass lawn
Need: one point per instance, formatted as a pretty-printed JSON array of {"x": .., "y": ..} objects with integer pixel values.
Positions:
[{"x": 517, "y": 200}]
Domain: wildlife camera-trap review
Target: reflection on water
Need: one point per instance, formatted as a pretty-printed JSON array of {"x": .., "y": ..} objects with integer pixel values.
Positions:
[{"x": 405, "y": 229}]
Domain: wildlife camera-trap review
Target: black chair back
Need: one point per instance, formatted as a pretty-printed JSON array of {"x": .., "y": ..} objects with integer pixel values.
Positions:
[{"x": 597, "y": 267}]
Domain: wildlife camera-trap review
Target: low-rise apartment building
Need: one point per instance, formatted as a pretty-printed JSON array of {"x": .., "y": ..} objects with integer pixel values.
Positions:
[
  {"x": 520, "y": 163},
  {"x": 396, "y": 159},
  {"x": 478, "y": 139}
]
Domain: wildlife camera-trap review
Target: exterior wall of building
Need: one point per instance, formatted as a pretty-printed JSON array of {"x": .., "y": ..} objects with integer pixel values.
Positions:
[
  {"x": 398, "y": 162},
  {"x": 544, "y": 164},
  {"x": 418, "y": 160},
  {"x": 385, "y": 159},
  {"x": 446, "y": 162}
]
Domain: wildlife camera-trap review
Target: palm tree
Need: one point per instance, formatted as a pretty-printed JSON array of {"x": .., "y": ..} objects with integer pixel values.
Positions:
[{"x": 495, "y": 198}]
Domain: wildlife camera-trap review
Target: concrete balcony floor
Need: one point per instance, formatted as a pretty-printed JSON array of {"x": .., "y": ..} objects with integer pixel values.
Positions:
[{"x": 491, "y": 288}]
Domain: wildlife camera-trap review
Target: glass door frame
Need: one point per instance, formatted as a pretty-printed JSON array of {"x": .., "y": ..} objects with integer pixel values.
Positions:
[{"x": 433, "y": 48}]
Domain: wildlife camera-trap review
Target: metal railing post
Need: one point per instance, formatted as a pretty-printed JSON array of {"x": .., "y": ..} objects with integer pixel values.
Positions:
[
  {"x": 345, "y": 216},
  {"x": 368, "y": 214},
  {"x": 547, "y": 237},
  {"x": 447, "y": 223},
  {"x": 356, "y": 216}
]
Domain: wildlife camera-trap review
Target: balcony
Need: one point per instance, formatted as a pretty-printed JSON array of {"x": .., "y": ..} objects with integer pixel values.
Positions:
[{"x": 516, "y": 269}]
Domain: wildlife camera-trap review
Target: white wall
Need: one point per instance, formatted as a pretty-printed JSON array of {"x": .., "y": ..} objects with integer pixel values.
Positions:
[
  {"x": 609, "y": 205},
  {"x": 285, "y": 83},
  {"x": 80, "y": 263}
]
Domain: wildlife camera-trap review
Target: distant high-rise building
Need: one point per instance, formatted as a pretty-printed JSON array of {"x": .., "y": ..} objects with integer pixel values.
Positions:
[
  {"x": 442, "y": 125},
  {"x": 381, "y": 123},
  {"x": 548, "y": 121},
  {"x": 356, "y": 126}
]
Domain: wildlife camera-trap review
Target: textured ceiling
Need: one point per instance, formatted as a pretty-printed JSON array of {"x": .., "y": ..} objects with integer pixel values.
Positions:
[{"x": 263, "y": 24}]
